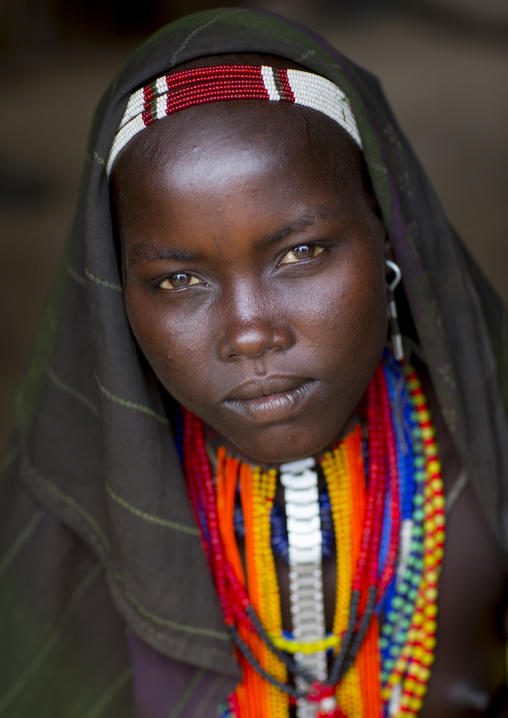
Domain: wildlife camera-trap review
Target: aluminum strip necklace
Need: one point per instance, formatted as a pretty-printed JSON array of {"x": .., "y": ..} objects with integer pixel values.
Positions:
[{"x": 301, "y": 496}]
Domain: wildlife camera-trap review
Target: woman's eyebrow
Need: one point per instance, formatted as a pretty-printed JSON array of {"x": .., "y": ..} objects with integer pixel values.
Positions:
[
  {"x": 141, "y": 253},
  {"x": 306, "y": 220}
]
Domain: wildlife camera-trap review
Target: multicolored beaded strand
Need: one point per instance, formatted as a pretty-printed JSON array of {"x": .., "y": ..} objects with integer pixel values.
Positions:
[{"x": 406, "y": 684}]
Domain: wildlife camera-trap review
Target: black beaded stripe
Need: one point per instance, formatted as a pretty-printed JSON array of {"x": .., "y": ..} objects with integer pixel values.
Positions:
[
  {"x": 153, "y": 108},
  {"x": 290, "y": 663},
  {"x": 251, "y": 658},
  {"x": 351, "y": 644},
  {"x": 346, "y": 657},
  {"x": 278, "y": 83}
]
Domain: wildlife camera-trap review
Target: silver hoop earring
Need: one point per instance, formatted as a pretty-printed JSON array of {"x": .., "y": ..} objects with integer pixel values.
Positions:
[{"x": 398, "y": 349}]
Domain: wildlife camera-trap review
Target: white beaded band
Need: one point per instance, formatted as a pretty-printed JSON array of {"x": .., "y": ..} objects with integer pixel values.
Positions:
[{"x": 176, "y": 91}]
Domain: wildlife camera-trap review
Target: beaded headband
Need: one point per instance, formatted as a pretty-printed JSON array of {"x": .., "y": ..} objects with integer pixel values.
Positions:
[{"x": 177, "y": 91}]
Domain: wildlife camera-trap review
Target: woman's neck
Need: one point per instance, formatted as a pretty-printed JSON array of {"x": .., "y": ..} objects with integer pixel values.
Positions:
[{"x": 214, "y": 441}]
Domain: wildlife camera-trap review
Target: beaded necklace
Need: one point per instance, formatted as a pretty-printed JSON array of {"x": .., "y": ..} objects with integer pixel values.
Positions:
[{"x": 387, "y": 507}]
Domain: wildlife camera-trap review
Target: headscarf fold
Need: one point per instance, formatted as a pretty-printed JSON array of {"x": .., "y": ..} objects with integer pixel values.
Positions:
[{"x": 93, "y": 441}]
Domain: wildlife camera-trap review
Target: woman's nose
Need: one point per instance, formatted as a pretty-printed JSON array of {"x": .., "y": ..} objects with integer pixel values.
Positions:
[{"x": 250, "y": 331}]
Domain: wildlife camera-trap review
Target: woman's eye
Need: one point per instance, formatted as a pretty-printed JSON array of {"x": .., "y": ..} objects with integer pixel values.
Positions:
[
  {"x": 302, "y": 252},
  {"x": 181, "y": 280}
]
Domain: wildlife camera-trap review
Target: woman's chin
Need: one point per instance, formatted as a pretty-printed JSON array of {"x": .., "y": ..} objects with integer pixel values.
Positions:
[{"x": 278, "y": 447}]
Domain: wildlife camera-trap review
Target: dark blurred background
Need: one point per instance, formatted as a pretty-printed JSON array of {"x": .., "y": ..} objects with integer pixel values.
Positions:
[{"x": 443, "y": 64}]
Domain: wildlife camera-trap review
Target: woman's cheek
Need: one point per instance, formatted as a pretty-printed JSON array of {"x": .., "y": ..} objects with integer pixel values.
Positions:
[{"x": 177, "y": 350}]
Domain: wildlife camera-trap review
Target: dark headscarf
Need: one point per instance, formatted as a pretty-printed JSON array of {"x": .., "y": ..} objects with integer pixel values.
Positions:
[{"x": 93, "y": 441}]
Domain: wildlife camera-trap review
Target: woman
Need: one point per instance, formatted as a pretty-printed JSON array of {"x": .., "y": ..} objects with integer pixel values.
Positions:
[{"x": 194, "y": 283}]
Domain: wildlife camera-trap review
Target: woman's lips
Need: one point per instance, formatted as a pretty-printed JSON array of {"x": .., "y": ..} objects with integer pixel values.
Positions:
[{"x": 270, "y": 399}]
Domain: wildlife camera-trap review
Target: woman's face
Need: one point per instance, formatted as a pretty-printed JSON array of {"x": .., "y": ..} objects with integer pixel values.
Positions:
[{"x": 253, "y": 269}]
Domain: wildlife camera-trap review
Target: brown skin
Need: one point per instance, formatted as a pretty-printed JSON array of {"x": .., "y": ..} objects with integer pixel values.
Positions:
[{"x": 253, "y": 266}]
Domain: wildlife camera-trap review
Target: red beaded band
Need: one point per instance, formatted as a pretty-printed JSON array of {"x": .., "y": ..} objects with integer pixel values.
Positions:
[{"x": 177, "y": 91}]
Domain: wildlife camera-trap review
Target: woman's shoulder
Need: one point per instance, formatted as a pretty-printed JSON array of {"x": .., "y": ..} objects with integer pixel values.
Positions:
[{"x": 469, "y": 674}]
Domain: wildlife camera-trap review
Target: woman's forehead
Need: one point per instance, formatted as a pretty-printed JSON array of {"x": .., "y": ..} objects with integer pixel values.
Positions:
[
  {"x": 221, "y": 132},
  {"x": 235, "y": 169}
]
